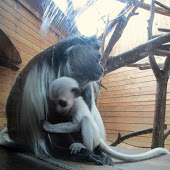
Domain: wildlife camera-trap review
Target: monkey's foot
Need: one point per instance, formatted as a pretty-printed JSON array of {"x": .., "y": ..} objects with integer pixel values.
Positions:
[
  {"x": 76, "y": 147},
  {"x": 106, "y": 160}
]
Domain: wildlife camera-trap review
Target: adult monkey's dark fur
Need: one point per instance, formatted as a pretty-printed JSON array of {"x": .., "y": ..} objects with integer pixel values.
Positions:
[{"x": 28, "y": 102}]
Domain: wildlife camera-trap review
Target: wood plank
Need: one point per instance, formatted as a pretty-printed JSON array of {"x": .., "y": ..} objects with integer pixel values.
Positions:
[
  {"x": 5, "y": 87},
  {"x": 6, "y": 79},
  {"x": 131, "y": 120},
  {"x": 128, "y": 120},
  {"x": 2, "y": 115},
  {"x": 22, "y": 32},
  {"x": 3, "y": 96},
  {"x": 131, "y": 80},
  {"x": 130, "y": 92},
  {"x": 129, "y": 99},
  {"x": 128, "y": 103},
  {"x": 33, "y": 10},
  {"x": 2, "y": 104},
  {"x": 6, "y": 11},
  {"x": 129, "y": 86},
  {"x": 19, "y": 38},
  {"x": 25, "y": 16},
  {"x": 3, "y": 122},
  {"x": 141, "y": 115},
  {"x": 122, "y": 126},
  {"x": 8, "y": 72},
  {"x": 131, "y": 108}
]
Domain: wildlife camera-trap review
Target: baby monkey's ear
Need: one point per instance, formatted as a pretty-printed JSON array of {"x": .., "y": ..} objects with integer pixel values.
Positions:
[{"x": 76, "y": 92}]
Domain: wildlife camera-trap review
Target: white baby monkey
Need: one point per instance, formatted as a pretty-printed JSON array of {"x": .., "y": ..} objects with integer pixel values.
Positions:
[{"x": 65, "y": 92}]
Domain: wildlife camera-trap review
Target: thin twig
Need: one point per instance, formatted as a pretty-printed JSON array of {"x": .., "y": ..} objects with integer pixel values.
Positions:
[
  {"x": 105, "y": 34},
  {"x": 133, "y": 134},
  {"x": 162, "y": 53},
  {"x": 167, "y": 133},
  {"x": 166, "y": 68},
  {"x": 117, "y": 33},
  {"x": 163, "y": 29},
  {"x": 148, "y": 7}
]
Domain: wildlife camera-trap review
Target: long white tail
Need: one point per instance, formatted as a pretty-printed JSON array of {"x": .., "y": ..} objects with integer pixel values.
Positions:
[{"x": 138, "y": 157}]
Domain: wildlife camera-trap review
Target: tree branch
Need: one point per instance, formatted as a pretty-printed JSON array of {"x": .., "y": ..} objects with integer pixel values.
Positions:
[
  {"x": 163, "y": 29},
  {"x": 117, "y": 33},
  {"x": 162, "y": 53},
  {"x": 132, "y": 134},
  {"x": 162, "y": 5},
  {"x": 166, "y": 67},
  {"x": 167, "y": 134},
  {"x": 105, "y": 34},
  {"x": 115, "y": 36},
  {"x": 152, "y": 60},
  {"x": 148, "y": 7},
  {"x": 115, "y": 21},
  {"x": 135, "y": 54}
]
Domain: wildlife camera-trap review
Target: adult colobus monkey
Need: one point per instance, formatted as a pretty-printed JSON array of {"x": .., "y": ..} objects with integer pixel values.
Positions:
[
  {"x": 64, "y": 92},
  {"x": 28, "y": 102}
]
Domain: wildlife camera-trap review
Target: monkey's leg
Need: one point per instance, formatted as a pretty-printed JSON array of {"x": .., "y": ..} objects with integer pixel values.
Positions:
[
  {"x": 87, "y": 133},
  {"x": 87, "y": 136},
  {"x": 67, "y": 127}
]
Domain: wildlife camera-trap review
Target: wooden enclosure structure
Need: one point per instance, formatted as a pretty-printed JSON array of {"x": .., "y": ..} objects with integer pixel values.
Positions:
[{"x": 127, "y": 105}]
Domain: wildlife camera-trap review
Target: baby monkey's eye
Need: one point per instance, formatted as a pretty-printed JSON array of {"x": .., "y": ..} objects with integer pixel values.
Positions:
[
  {"x": 76, "y": 92},
  {"x": 62, "y": 103}
]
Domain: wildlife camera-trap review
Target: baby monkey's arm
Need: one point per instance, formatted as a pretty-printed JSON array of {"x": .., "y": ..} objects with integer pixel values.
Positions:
[{"x": 67, "y": 127}]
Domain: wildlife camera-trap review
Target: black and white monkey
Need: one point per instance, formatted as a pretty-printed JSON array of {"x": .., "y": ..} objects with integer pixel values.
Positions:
[
  {"x": 64, "y": 92},
  {"x": 28, "y": 102}
]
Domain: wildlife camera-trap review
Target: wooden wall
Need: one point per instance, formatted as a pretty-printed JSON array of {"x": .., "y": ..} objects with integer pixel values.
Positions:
[
  {"x": 22, "y": 27},
  {"x": 128, "y": 103}
]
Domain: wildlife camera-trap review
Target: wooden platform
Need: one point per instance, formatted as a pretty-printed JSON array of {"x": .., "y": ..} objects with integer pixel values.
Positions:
[{"x": 13, "y": 160}]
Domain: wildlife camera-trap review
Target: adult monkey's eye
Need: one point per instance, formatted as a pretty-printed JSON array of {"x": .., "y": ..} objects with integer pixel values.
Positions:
[{"x": 62, "y": 103}]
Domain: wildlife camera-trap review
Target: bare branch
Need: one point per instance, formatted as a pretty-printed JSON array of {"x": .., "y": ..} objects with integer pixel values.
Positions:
[
  {"x": 138, "y": 64},
  {"x": 163, "y": 29},
  {"x": 115, "y": 21},
  {"x": 104, "y": 34},
  {"x": 149, "y": 67},
  {"x": 132, "y": 134},
  {"x": 162, "y": 53},
  {"x": 152, "y": 60},
  {"x": 118, "y": 32},
  {"x": 167, "y": 134},
  {"x": 144, "y": 66},
  {"x": 148, "y": 7},
  {"x": 162, "y": 5},
  {"x": 166, "y": 67},
  {"x": 115, "y": 36},
  {"x": 135, "y": 54}
]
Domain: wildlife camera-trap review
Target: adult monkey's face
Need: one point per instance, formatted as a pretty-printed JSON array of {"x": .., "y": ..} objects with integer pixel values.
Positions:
[{"x": 85, "y": 62}]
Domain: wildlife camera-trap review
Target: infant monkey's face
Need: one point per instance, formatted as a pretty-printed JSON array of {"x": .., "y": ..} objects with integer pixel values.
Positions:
[
  {"x": 63, "y": 92},
  {"x": 64, "y": 102}
]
